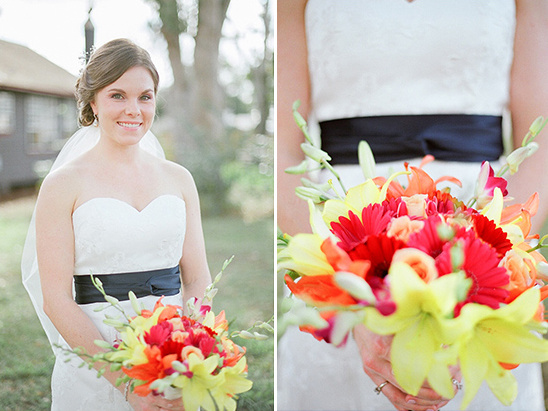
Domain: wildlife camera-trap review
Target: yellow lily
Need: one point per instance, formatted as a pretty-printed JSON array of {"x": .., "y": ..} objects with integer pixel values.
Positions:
[
  {"x": 357, "y": 199},
  {"x": 235, "y": 382},
  {"x": 196, "y": 390},
  {"x": 303, "y": 255},
  {"x": 493, "y": 336},
  {"x": 493, "y": 211},
  {"x": 421, "y": 324},
  {"x": 133, "y": 352}
]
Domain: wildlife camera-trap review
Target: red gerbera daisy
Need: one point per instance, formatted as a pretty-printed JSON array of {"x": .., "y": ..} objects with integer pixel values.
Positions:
[
  {"x": 428, "y": 239},
  {"x": 480, "y": 264},
  {"x": 158, "y": 333},
  {"x": 378, "y": 250},
  {"x": 488, "y": 231},
  {"x": 353, "y": 231}
]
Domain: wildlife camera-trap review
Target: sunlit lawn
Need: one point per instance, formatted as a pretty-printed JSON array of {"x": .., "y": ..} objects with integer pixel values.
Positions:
[{"x": 246, "y": 293}]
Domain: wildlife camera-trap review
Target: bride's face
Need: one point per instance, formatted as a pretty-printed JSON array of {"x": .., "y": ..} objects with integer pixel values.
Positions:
[{"x": 126, "y": 108}]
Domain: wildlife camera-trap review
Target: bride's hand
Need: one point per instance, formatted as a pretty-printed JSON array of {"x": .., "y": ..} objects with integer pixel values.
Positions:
[
  {"x": 154, "y": 403},
  {"x": 375, "y": 353}
]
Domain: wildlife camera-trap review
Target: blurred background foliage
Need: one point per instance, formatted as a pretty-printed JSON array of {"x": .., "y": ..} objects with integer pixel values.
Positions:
[{"x": 217, "y": 114}]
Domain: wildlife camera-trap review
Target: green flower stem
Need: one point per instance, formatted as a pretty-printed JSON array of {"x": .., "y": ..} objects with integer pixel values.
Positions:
[
  {"x": 540, "y": 244},
  {"x": 502, "y": 171},
  {"x": 471, "y": 202},
  {"x": 213, "y": 399}
]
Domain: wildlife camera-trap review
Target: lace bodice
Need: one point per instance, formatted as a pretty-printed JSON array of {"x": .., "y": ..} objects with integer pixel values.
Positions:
[
  {"x": 110, "y": 236},
  {"x": 362, "y": 66}
]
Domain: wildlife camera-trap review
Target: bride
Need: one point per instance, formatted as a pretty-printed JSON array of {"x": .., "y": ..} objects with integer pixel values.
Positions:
[{"x": 113, "y": 207}]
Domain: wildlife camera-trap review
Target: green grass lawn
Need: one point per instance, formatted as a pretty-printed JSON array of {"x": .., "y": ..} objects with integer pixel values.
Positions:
[{"x": 245, "y": 293}]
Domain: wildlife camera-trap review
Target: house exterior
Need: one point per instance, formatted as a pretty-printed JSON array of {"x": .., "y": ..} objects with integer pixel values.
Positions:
[{"x": 37, "y": 113}]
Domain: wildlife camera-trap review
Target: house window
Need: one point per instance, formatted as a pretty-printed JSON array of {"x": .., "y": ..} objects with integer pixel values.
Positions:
[
  {"x": 49, "y": 123},
  {"x": 7, "y": 113}
]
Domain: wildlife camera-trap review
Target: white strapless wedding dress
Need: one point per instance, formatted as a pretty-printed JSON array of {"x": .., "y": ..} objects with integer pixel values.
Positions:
[
  {"x": 392, "y": 57},
  {"x": 112, "y": 237}
]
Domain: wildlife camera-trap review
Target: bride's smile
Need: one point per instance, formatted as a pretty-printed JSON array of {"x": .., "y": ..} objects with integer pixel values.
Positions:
[{"x": 125, "y": 109}]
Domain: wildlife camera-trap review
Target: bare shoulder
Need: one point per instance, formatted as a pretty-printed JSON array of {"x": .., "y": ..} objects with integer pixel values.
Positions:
[
  {"x": 61, "y": 187},
  {"x": 180, "y": 175}
]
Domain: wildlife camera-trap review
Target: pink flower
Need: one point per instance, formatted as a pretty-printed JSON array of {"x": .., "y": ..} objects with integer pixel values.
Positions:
[
  {"x": 158, "y": 333},
  {"x": 487, "y": 182}
]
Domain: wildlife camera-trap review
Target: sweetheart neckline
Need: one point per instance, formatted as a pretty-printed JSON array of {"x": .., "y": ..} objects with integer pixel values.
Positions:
[{"x": 126, "y": 203}]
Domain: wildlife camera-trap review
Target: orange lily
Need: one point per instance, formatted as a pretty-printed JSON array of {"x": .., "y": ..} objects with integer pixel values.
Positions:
[
  {"x": 520, "y": 214},
  {"x": 419, "y": 182},
  {"x": 150, "y": 371},
  {"x": 319, "y": 290},
  {"x": 322, "y": 289}
]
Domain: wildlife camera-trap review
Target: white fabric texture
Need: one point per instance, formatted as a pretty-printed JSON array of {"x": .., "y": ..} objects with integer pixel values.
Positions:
[
  {"x": 392, "y": 57},
  {"x": 369, "y": 57}
]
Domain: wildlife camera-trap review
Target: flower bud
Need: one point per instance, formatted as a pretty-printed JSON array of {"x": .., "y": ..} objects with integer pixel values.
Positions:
[
  {"x": 344, "y": 323},
  {"x": 134, "y": 303},
  {"x": 246, "y": 335},
  {"x": 366, "y": 160},
  {"x": 299, "y": 120},
  {"x": 457, "y": 256},
  {"x": 114, "y": 323},
  {"x": 179, "y": 366},
  {"x": 112, "y": 300},
  {"x": 356, "y": 286},
  {"x": 318, "y": 186},
  {"x": 516, "y": 157},
  {"x": 259, "y": 337},
  {"x": 534, "y": 129},
  {"x": 315, "y": 153},
  {"x": 103, "y": 344},
  {"x": 300, "y": 169},
  {"x": 286, "y": 305},
  {"x": 267, "y": 327},
  {"x": 307, "y": 193}
]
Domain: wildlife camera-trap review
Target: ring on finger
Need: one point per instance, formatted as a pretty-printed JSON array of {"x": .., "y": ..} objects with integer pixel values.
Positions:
[
  {"x": 457, "y": 384},
  {"x": 378, "y": 388}
]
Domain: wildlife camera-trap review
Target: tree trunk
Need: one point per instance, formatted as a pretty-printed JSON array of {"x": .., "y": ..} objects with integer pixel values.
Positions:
[
  {"x": 208, "y": 98},
  {"x": 260, "y": 76},
  {"x": 177, "y": 105}
]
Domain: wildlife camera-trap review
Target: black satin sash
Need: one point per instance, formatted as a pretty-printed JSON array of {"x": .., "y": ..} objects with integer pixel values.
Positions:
[
  {"x": 156, "y": 282},
  {"x": 451, "y": 137}
]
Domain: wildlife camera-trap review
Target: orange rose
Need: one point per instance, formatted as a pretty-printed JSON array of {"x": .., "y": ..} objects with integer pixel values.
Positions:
[
  {"x": 416, "y": 205},
  {"x": 402, "y": 227},
  {"x": 419, "y": 261},
  {"x": 522, "y": 274}
]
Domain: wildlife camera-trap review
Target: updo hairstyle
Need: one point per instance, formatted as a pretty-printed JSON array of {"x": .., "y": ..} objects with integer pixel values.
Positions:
[{"x": 107, "y": 64}]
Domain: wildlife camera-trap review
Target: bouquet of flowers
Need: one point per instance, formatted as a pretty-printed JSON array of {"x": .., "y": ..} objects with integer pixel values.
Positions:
[
  {"x": 190, "y": 356},
  {"x": 453, "y": 283}
]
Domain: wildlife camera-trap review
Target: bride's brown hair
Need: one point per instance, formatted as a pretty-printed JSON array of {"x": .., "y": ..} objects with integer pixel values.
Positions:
[{"x": 106, "y": 65}]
